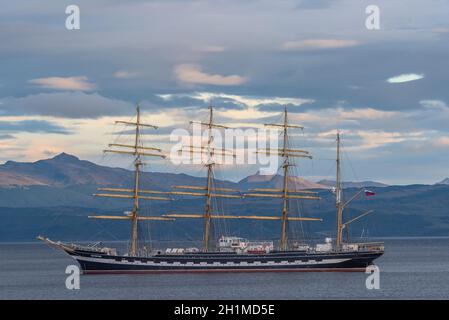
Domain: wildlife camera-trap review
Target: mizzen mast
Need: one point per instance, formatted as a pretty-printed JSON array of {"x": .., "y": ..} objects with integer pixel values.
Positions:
[
  {"x": 137, "y": 150},
  {"x": 338, "y": 201}
]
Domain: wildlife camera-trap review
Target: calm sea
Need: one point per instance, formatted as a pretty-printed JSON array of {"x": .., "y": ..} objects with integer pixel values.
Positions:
[{"x": 412, "y": 268}]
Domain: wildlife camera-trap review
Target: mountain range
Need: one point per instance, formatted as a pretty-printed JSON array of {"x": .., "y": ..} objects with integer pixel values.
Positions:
[
  {"x": 444, "y": 181},
  {"x": 66, "y": 170},
  {"x": 350, "y": 184},
  {"x": 54, "y": 196}
]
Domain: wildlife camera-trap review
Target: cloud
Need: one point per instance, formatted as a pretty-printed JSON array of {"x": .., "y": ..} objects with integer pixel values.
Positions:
[
  {"x": 374, "y": 139},
  {"x": 175, "y": 100},
  {"x": 315, "y": 4},
  {"x": 123, "y": 74},
  {"x": 406, "y": 77},
  {"x": 212, "y": 49},
  {"x": 250, "y": 101},
  {"x": 192, "y": 74},
  {"x": 6, "y": 137},
  {"x": 367, "y": 113},
  {"x": 315, "y": 70},
  {"x": 441, "y": 142},
  {"x": 348, "y": 118},
  {"x": 80, "y": 83},
  {"x": 434, "y": 104},
  {"x": 358, "y": 140},
  {"x": 440, "y": 30},
  {"x": 238, "y": 107},
  {"x": 65, "y": 105},
  {"x": 311, "y": 44},
  {"x": 34, "y": 126},
  {"x": 434, "y": 115}
]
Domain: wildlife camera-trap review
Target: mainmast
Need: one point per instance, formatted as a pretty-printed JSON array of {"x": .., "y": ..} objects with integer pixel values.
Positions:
[
  {"x": 210, "y": 151},
  {"x": 137, "y": 151}
]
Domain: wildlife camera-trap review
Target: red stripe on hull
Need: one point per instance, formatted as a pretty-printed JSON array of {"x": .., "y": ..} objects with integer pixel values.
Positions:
[{"x": 94, "y": 272}]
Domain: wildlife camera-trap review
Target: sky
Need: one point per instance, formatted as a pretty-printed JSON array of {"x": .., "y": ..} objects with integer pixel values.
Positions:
[{"x": 386, "y": 90}]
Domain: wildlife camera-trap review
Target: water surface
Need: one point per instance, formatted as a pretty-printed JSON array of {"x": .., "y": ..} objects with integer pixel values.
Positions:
[{"x": 412, "y": 268}]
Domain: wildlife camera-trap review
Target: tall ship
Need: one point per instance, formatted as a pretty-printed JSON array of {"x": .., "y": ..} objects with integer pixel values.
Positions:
[{"x": 227, "y": 253}]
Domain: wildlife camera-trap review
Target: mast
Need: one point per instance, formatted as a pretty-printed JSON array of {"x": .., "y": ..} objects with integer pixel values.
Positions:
[
  {"x": 210, "y": 151},
  {"x": 285, "y": 153},
  {"x": 209, "y": 164},
  {"x": 283, "y": 244},
  {"x": 338, "y": 202},
  {"x": 340, "y": 205},
  {"x": 135, "y": 193},
  {"x": 137, "y": 163}
]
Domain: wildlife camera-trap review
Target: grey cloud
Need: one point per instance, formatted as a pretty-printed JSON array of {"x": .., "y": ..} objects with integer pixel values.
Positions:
[
  {"x": 226, "y": 103},
  {"x": 6, "y": 137},
  {"x": 32, "y": 126},
  {"x": 174, "y": 101},
  {"x": 65, "y": 104},
  {"x": 152, "y": 37},
  {"x": 184, "y": 100},
  {"x": 253, "y": 40},
  {"x": 277, "y": 107},
  {"x": 315, "y": 4},
  {"x": 158, "y": 131}
]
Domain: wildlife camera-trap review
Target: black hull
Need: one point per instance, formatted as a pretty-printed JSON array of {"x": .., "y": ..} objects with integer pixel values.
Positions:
[{"x": 95, "y": 263}]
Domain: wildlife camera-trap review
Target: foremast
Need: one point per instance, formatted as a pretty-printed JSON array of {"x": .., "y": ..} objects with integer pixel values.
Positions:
[{"x": 137, "y": 150}]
